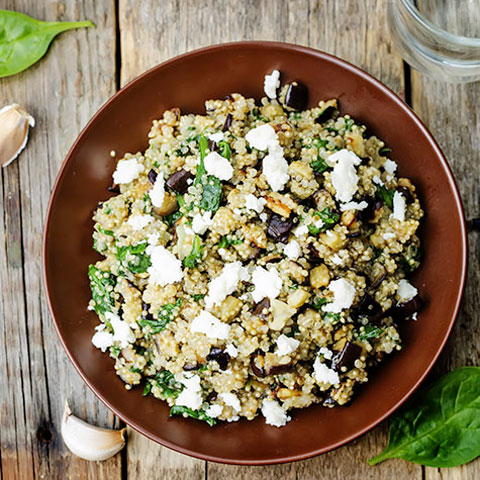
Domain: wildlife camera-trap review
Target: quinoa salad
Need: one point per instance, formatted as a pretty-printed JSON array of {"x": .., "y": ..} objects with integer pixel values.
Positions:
[{"x": 254, "y": 258}]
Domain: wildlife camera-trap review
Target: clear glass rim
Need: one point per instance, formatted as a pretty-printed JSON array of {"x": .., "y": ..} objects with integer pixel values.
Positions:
[{"x": 436, "y": 30}]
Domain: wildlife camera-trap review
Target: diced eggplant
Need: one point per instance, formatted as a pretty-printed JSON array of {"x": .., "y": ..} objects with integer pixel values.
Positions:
[
  {"x": 327, "y": 114},
  {"x": 372, "y": 212},
  {"x": 378, "y": 275},
  {"x": 297, "y": 96},
  {"x": 262, "y": 308},
  {"x": 212, "y": 146},
  {"x": 178, "y": 181},
  {"x": 263, "y": 365},
  {"x": 228, "y": 123},
  {"x": 279, "y": 227},
  {"x": 257, "y": 362},
  {"x": 346, "y": 358},
  {"x": 220, "y": 356},
  {"x": 370, "y": 309},
  {"x": 152, "y": 176},
  {"x": 114, "y": 188},
  {"x": 188, "y": 367},
  {"x": 405, "y": 191},
  {"x": 405, "y": 309}
]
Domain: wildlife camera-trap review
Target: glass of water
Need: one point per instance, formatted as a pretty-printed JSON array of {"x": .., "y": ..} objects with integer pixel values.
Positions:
[{"x": 438, "y": 37}]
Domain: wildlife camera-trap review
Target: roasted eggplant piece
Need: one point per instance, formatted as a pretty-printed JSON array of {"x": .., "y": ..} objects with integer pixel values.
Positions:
[
  {"x": 178, "y": 181},
  {"x": 279, "y": 227},
  {"x": 405, "y": 309},
  {"x": 346, "y": 358},
  {"x": 296, "y": 96},
  {"x": 220, "y": 356}
]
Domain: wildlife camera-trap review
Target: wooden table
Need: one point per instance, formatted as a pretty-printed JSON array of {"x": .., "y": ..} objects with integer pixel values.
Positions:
[{"x": 80, "y": 72}]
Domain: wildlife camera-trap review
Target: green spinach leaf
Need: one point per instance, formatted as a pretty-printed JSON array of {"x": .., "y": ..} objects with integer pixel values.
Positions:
[
  {"x": 224, "y": 149},
  {"x": 195, "y": 255},
  {"x": 212, "y": 193},
  {"x": 328, "y": 218},
  {"x": 386, "y": 195},
  {"x": 197, "y": 414},
  {"x": 440, "y": 425},
  {"x": 165, "y": 381},
  {"x": 102, "y": 285},
  {"x": 25, "y": 40},
  {"x": 133, "y": 257},
  {"x": 370, "y": 332},
  {"x": 165, "y": 315},
  {"x": 227, "y": 240}
]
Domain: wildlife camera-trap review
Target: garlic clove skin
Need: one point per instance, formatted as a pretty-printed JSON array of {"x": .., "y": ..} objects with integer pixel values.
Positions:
[
  {"x": 90, "y": 442},
  {"x": 14, "y": 125}
]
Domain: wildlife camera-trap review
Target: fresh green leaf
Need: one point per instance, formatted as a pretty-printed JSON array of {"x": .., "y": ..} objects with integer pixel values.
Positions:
[
  {"x": 25, "y": 40},
  {"x": 203, "y": 147},
  {"x": 332, "y": 317},
  {"x": 147, "y": 203},
  {"x": 97, "y": 248},
  {"x": 386, "y": 195},
  {"x": 212, "y": 193},
  {"x": 133, "y": 257},
  {"x": 349, "y": 122},
  {"x": 384, "y": 150},
  {"x": 328, "y": 218},
  {"x": 102, "y": 230},
  {"x": 165, "y": 315},
  {"x": 411, "y": 258},
  {"x": 115, "y": 350},
  {"x": 369, "y": 332},
  {"x": 198, "y": 296},
  {"x": 106, "y": 209},
  {"x": 440, "y": 425},
  {"x": 319, "y": 165},
  {"x": 192, "y": 260},
  {"x": 166, "y": 382},
  {"x": 320, "y": 303},
  {"x": 102, "y": 285},
  {"x": 224, "y": 149},
  {"x": 228, "y": 240},
  {"x": 147, "y": 389},
  {"x": 197, "y": 414}
]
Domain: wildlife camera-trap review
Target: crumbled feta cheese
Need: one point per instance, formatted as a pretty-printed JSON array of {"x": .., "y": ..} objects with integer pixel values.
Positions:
[
  {"x": 286, "y": 345},
  {"x": 343, "y": 295},
  {"x": 327, "y": 354},
  {"x": 137, "y": 222},
  {"x": 216, "y": 137},
  {"x": 406, "y": 291},
  {"x": 218, "y": 166},
  {"x": 166, "y": 268},
  {"x": 389, "y": 178},
  {"x": 376, "y": 179},
  {"x": 157, "y": 193},
  {"x": 232, "y": 350},
  {"x": 102, "y": 339},
  {"x": 127, "y": 171},
  {"x": 353, "y": 206},
  {"x": 267, "y": 283},
  {"x": 336, "y": 259},
  {"x": 323, "y": 374},
  {"x": 262, "y": 137},
  {"x": 191, "y": 395},
  {"x": 153, "y": 238},
  {"x": 275, "y": 169},
  {"x": 226, "y": 283},
  {"x": 271, "y": 84},
  {"x": 263, "y": 217},
  {"x": 292, "y": 250},
  {"x": 344, "y": 175},
  {"x": 122, "y": 333},
  {"x": 214, "y": 410},
  {"x": 389, "y": 235},
  {"x": 301, "y": 231},
  {"x": 201, "y": 222},
  {"x": 235, "y": 418},
  {"x": 231, "y": 400},
  {"x": 254, "y": 203},
  {"x": 399, "y": 206},
  {"x": 274, "y": 413},
  {"x": 209, "y": 325},
  {"x": 319, "y": 223},
  {"x": 390, "y": 166}
]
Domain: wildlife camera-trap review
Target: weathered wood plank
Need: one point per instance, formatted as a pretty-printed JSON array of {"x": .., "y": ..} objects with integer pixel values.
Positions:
[{"x": 62, "y": 92}]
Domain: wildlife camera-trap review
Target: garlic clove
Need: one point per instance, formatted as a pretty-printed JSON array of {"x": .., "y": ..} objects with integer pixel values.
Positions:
[
  {"x": 14, "y": 125},
  {"x": 90, "y": 442}
]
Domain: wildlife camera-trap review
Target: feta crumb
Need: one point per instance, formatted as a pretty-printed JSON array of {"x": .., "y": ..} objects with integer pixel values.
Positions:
[
  {"x": 353, "y": 206},
  {"x": 344, "y": 175},
  {"x": 301, "y": 231},
  {"x": 399, "y": 206},
  {"x": 254, "y": 203},
  {"x": 262, "y": 137},
  {"x": 232, "y": 350},
  {"x": 137, "y": 222},
  {"x": 218, "y": 166},
  {"x": 376, "y": 179},
  {"x": 201, "y": 222},
  {"x": 319, "y": 223},
  {"x": 214, "y": 410},
  {"x": 231, "y": 400},
  {"x": 323, "y": 374},
  {"x": 343, "y": 295},
  {"x": 275, "y": 169},
  {"x": 235, "y": 418},
  {"x": 166, "y": 268},
  {"x": 102, "y": 339},
  {"x": 263, "y": 217},
  {"x": 406, "y": 291},
  {"x": 210, "y": 326},
  {"x": 226, "y": 283},
  {"x": 286, "y": 345},
  {"x": 157, "y": 193},
  {"x": 271, "y": 84},
  {"x": 327, "y": 354},
  {"x": 274, "y": 413},
  {"x": 191, "y": 395},
  {"x": 122, "y": 333},
  {"x": 390, "y": 166},
  {"x": 267, "y": 283},
  {"x": 292, "y": 250},
  {"x": 336, "y": 259},
  {"x": 127, "y": 171},
  {"x": 216, "y": 137},
  {"x": 153, "y": 238},
  {"x": 389, "y": 235}
]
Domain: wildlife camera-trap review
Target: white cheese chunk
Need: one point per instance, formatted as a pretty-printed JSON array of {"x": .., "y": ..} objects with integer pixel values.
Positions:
[
  {"x": 406, "y": 291},
  {"x": 271, "y": 84},
  {"x": 210, "y": 326},
  {"x": 232, "y": 350},
  {"x": 343, "y": 295},
  {"x": 216, "y": 137},
  {"x": 399, "y": 206},
  {"x": 218, "y": 166},
  {"x": 214, "y": 410},
  {"x": 157, "y": 193},
  {"x": 191, "y": 395},
  {"x": 254, "y": 203},
  {"x": 137, "y": 222},
  {"x": 102, "y": 339},
  {"x": 336, "y": 259},
  {"x": 326, "y": 353},
  {"x": 226, "y": 283},
  {"x": 390, "y": 166},
  {"x": 231, "y": 400},
  {"x": 286, "y": 345},
  {"x": 262, "y": 137},
  {"x": 300, "y": 231},
  {"x": 344, "y": 175},
  {"x": 267, "y": 284},
  {"x": 122, "y": 333},
  {"x": 166, "y": 268},
  {"x": 376, "y": 179},
  {"x": 292, "y": 250},
  {"x": 275, "y": 169},
  {"x": 323, "y": 374},
  {"x": 353, "y": 206},
  {"x": 127, "y": 171},
  {"x": 201, "y": 222},
  {"x": 274, "y": 413},
  {"x": 263, "y": 217}
]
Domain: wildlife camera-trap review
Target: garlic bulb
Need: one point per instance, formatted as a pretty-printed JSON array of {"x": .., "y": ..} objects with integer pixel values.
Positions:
[
  {"x": 14, "y": 125},
  {"x": 90, "y": 442}
]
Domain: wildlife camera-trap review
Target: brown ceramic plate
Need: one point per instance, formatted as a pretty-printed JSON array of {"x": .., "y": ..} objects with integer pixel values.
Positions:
[{"x": 187, "y": 81}]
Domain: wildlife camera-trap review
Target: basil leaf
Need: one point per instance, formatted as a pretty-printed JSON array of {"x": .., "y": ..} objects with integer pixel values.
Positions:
[
  {"x": 226, "y": 241},
  {"x": 440, "y": 425},
  {"x": 386, "y": 195},
  {"x": 25, "y": 40},
  {"x": 133, "y": 257},
  {"x": 328, "y": 218},
  {"x": 192, "y": 260},
  {"x": 102, "y": 285},
  {"x": 197, "y": 414},
  {"x": 201, "y": 171},
  {"x": 212, "y": 193},
  {"x": 165, "y": 381},
  {"x": 165, "y": 315},
  {"x": 319, "y": 165},
  {"x": 369, "y": 332},
  {"x": 224, "y": 149}
]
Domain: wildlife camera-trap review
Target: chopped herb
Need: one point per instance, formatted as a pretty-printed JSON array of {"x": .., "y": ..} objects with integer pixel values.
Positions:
[
  {"x": 201, "y": 171},
  {"x": 349, "y": 122},
  {"x": 386, "y": 195},
  {"x": 328, "y": 218},
  {"x": 147, "y": 203},
  {"x": 166, "y": 382},
  {"x": 165, "y": 315},
  {"x": 115, "y": 350},
  {"x": 384, "y": 150},
  {"x": 212, "y": 193},
  {"x": 97, "y": 248},
  {"x": 193, "y": 138},
  {"x": 411, "y": 259},
  {"x": 320, "y": 303},
  {"x": 369, "y": 332},
  {"x": 198, "y": 296},
  {"x": 226, "y": 241},
  {"x": 331, "y": 129},
  {"x": 135, "y": 370},
  {"x": 102, "y": 285},
  {"x": 147, "y": 389},
  {"x": 256, "y": 113},
  {"x": 191, "y": 261},
  {"x": 224, "y": 149},
  {"x": 319, "y": 165},
  {"x": 156, "y": 164},
  {"x": 202, "y": 368},
  {"x": 294, "y": 286},
  {"x": 332, "y": 317},
  {"x": 140, "y": 261},
  {"x": 190, "y": 128},
  {"x": 106, "y": 209},
  {"x": 172, "y": 218},
  {"x": 197, "y": 414},
  {"x": 102, "y": 230}
]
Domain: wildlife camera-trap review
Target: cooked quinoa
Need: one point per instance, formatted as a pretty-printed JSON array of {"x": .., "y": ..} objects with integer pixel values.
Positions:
[{"x": 255, "y": 258}]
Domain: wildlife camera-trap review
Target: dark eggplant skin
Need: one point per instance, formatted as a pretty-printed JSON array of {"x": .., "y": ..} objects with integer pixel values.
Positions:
[
  {"x": 373, "y": 205},
  {"x": 152, "y": 176},
  {"x": 327, "y": 114},
  {"x": 296, "y": 96},
  {"x": 346, "y": 358},
  {"x": 370, "y": 309},
  {"x": 228, "y": 123},
  {"x": 178, "y": 181},
  {"x": 405, "y": 191},
  {"x": 220, "y": 356},
  {"x": 188, "y": 367},
  {"x": 408, "y": 308},
  {"x": 279, "y": 227},
  {"x": 114, "y": 188},
  {"x": 257, "y": 363}
]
